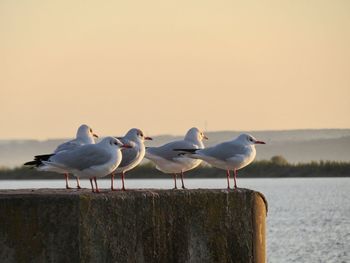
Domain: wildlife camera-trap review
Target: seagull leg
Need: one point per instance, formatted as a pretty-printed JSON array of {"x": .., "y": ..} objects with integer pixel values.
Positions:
[
  {"x": 123, "y": 187},
  {"x": 175, "y": 177},
  {"x": 182, "y": 180},
  {"x": 97, "y": 190},
  {"x": 228, "y": 178},
  {"x": 67, "y": 183},
  {"x": 112, "y": 182},
  {"x": 92, "y": 185},
  {"x": 78, "y": 183},
  {"x": 234, "y": 177}
]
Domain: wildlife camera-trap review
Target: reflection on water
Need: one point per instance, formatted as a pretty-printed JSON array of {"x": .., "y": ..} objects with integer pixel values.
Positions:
[{"x": 308, "y": 220}]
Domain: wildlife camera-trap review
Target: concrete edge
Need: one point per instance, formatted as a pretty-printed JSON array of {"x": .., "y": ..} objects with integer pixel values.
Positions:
[{"x": 259, "y": 228}]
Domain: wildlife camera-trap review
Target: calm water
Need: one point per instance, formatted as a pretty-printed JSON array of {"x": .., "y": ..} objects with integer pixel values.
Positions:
[{"x": 308, "y": 220}]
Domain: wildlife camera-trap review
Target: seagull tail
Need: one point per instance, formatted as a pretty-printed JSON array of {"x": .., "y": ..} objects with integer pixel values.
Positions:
[{"x": 38, "y": 160}]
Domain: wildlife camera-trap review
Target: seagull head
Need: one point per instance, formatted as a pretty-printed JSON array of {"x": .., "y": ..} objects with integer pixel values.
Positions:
[
  {"x": 137, "y": 134},
  {"x": 249, "y": 139},
  {"x": 194, "y": 134},
  {"x": 85, "y": 131}
]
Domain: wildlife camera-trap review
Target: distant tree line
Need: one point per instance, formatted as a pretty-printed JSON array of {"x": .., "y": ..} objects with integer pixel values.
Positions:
[{"x": 277, "y": 167}]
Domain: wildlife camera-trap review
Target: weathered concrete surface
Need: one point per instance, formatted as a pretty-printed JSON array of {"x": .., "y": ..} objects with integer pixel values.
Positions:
[{"x": 135, "y": 226}]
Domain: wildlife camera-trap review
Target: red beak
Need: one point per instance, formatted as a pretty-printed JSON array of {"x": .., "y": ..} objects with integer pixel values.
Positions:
[
  {"x": 148, "y": 138},
  {"x": 259, "y": 142},
  {"x": 126, "y": 146}
]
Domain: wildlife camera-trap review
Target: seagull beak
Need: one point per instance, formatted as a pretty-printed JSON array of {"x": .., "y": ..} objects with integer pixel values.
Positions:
[
  {"x": 205, "y": 137},
  {"x": 148, "y": 138},
  {"x": 95, "y": 135},
  {"x": 259, "y": 142},
  {"x": 126, "y": 146}
]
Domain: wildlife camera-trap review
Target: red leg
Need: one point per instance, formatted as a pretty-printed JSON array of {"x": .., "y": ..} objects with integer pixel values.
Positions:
[
  {"x": 92, "y": 185},
  {"x": 175, "y": 177},
  {"x": 234, "y": 178},
  {"x": 228, "y": 178},
  {"x": 78, "y": 183},
  {"x": 112, "y": 182},
  {"x": 123, "y": 187},
  {"x": 182, "y": 180},
  {"x": 67, "y": 183},
  {"x": 97, "y": 190}
]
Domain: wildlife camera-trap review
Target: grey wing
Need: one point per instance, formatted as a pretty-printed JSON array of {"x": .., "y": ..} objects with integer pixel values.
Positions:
[
  {"x": 167, "y": 150},
  {"x": 128, "y": 156},
  {"x": 224, "y": 151},
  {"x": 67, "y": 146},
  {"x": 82, "y": 157}
]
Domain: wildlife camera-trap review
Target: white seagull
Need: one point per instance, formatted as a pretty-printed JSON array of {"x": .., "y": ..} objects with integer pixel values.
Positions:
[
  {"x": 230, "y": 155},
  {"x": 132, "y": 156},
  {"x": 84, "y": 136},
  {"x": 169, "y": 161},
  {"x": 90, "y": 161}
]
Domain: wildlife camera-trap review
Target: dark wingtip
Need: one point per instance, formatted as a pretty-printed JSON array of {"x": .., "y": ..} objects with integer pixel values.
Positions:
[
  {"x": 33, "y": 163},
  {"x": 186, "y": 150},
  {"x": 38, "y": 160},
  {"x": 43, "y": 157},
  {"x": 30, "y": 163}
]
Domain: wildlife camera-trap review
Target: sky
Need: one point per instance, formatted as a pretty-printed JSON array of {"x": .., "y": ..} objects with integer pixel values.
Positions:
[{"x": 166, "y": 66}]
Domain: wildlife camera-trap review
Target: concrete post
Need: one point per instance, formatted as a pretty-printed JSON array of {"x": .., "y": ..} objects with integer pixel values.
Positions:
[{"x": 201, "y": 225}]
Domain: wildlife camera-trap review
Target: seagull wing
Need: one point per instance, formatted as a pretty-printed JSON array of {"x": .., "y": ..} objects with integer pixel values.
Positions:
[
  {"x": 128, "y": 154},
  {"x": 81, "y": 158},
  {"x": 68, "y": 146},
  {"x": 167, "y": 150},
  {"x": 224, "y": 151}
]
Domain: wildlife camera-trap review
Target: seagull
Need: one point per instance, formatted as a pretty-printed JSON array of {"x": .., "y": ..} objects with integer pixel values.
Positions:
[
  {"x": 169, "y": 161},
  {"x": 91, "y": 160},
  {"x": 132, "y": 156},
  {"x": 84, "y": 136},
  {"x": 230, "y": 155}
]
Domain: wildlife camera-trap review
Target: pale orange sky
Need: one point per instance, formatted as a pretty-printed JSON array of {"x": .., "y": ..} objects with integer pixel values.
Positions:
[{"x": 165, "y": 66}]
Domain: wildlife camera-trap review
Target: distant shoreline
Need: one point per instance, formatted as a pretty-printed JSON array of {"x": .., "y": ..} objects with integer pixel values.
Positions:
[
  {"x": 296, "y": 146},
  {"x": 277, "y": 167}
]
